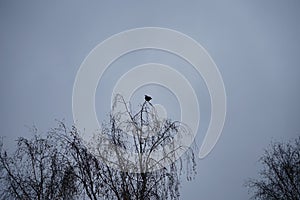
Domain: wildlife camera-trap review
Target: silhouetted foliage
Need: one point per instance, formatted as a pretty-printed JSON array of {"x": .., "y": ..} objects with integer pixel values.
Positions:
[
  {"x": 65, "y": 166},
  {"x": 280, "y": 176}
]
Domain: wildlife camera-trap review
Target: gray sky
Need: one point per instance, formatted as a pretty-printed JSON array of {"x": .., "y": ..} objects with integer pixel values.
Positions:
[{"x": 255, "y": 44}]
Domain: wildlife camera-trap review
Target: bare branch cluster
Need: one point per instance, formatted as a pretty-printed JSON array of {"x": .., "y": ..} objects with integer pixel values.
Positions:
[
  {"x": 37, "y": 170},
  {"x": 280, "y": 176}
]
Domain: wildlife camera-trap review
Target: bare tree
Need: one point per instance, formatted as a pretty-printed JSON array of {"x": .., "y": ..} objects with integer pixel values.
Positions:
[
  {"x": 37, "y": 170},
  {"x": 280, "y": 176},
  {"x": 104, "y": 168},
  {"x": 66, "y": 166}
]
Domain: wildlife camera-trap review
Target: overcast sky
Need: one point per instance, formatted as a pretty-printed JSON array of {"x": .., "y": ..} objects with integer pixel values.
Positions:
[{"x": 255, "y": 45}]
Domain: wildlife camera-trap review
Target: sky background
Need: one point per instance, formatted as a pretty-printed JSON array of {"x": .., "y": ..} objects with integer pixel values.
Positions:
[{"x": 255, "y": 45}]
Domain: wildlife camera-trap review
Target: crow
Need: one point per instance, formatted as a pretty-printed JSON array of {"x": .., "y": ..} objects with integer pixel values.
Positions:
[{"x": 147, "y": 98}]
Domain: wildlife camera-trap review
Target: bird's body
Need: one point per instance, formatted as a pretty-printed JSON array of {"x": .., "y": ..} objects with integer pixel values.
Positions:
[{"x": 147, "y": 98}]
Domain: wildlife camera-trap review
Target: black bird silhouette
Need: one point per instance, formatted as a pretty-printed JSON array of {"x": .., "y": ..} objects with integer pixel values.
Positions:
[{"x": 147, "y": 98}]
